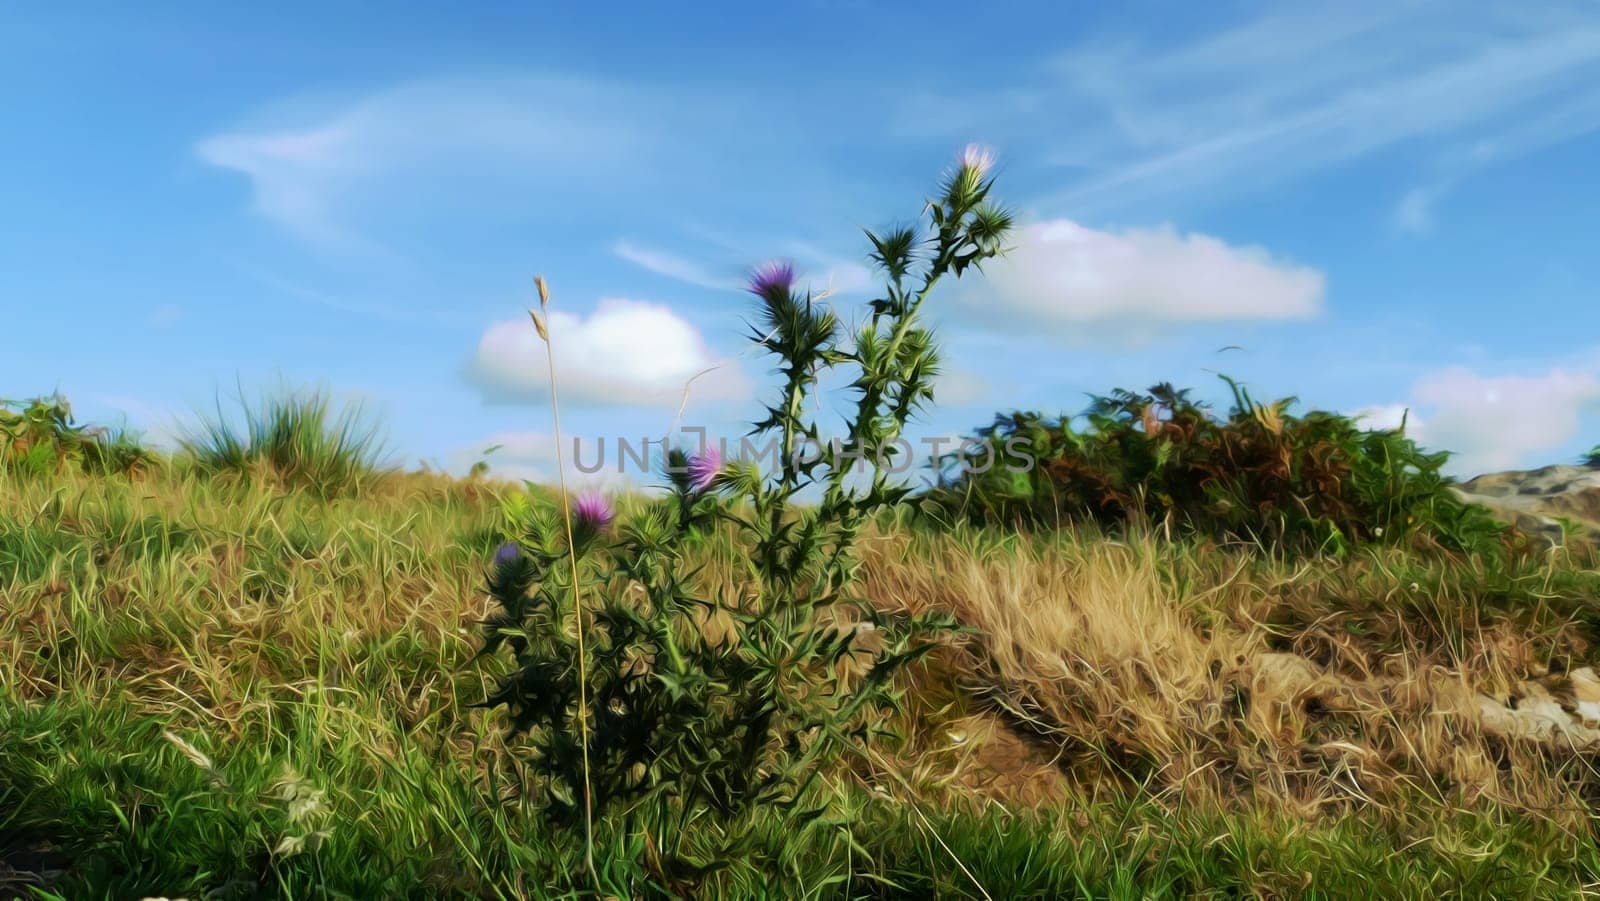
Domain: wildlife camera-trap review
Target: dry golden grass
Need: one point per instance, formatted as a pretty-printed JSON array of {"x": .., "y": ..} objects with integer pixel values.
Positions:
[{"x": 1125, "y": 662}]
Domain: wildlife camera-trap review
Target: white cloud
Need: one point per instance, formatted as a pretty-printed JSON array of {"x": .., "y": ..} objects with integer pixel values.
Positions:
[
  {"x": 1491, "y": 423},
  {"x": 959, "y": 386},
  {"x": 626, "y": 353},
  {"x": 1499, "y": 422},
  {"x": 1061, "y": 274}
]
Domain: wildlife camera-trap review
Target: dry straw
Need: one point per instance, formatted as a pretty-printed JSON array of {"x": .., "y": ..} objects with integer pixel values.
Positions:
[{"x": 572, "y": 558}]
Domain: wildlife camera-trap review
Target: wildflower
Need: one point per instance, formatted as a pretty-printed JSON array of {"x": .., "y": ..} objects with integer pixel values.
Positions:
[
  {"x": 776, "y": 276},
  {"x": 978, "y": 158},
  {"x": 593, "y": 511},
  {"x": 704, "y": 468},
  {"x": 507, "y": 554}
]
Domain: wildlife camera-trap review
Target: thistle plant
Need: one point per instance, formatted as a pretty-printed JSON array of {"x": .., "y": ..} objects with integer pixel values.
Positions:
[{"x": 630, "y": 704}]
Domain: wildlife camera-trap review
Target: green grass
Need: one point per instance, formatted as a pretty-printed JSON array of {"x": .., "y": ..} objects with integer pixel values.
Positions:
[
  {"x": 130, "y": 814},
  {"x": 315, "y": 655},
  {"x": 298, "y": 438},
  {"x": 1130, "y": 848}
]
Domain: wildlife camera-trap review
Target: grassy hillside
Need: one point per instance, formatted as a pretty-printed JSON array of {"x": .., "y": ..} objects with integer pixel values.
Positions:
[
  {"x": 1293, "y": 664},
  {"x": 221, "y": 686}
]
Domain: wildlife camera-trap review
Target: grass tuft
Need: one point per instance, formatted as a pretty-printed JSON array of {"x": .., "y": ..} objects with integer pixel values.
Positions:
[{"x": 297, "y": 438}]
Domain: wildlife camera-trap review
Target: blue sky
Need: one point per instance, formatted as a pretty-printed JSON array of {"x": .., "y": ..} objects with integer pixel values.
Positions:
[{"x": 1386, "y": 206}]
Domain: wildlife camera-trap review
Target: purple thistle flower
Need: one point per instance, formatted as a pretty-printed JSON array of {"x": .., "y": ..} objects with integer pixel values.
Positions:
[
  {"x": 770, "y": 277},
  {"x": 703, "y": 468},
  {"x": 507, "y": 554},
  {"x": 593, "y": 511}
]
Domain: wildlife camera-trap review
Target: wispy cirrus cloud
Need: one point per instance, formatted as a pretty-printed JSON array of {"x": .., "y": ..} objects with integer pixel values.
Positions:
[
  {"x": 1565, "y": 120},
  {"x": 826, "y": 272},
  {"x": 314, "y": 171},
  {"x": 339, "y": 173},
  {"x": 672, "y": 266},
  {"x": 389, "y": 312},
  {"x": 1290, "y": 94}
]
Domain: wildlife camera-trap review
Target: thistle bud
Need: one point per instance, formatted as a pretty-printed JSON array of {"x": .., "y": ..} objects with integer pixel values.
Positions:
[{"x": 978, "y": 159}]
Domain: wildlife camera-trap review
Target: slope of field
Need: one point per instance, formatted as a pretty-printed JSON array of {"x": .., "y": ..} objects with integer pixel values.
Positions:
[{"x": 221, "y": 688}]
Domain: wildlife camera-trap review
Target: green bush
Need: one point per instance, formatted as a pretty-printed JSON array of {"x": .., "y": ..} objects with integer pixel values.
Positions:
[
  {"x": 1317, "y": 482},
  {"x": 298, "y": 438},
  {"x": 38, "y": 438}
]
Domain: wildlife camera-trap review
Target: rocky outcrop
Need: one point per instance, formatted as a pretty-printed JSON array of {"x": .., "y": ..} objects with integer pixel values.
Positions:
[{"x": 1538, "y": 499}]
